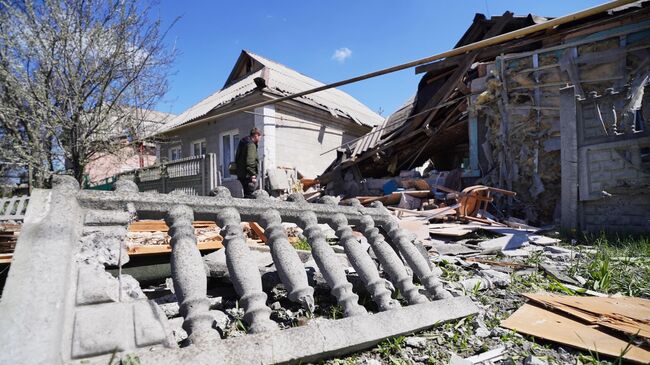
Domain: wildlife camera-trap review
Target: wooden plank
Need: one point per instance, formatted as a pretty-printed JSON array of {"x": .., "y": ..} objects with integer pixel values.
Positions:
[
  {"x": 626, "y": 314},
  {"x": 541, "y": 323},
  {"x": 452, "y": 229},
  {"x": 160, "y": 249},
  {"x": 419, "y": 228},
  {"x": 6, "y": 258},
  {"x": 161, "y": 226},
  {"x": 428, "y": 214},
  {"x": 259, "y": 231}
]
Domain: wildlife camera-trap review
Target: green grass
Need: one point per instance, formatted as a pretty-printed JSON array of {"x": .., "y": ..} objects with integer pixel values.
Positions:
[
  {"x": 391, "y": 348},
  {"x": 613, "y": 264},
  {"x": 302, "y": 245}
]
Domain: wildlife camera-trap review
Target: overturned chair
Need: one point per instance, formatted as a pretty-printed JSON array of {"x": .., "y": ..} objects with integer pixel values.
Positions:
[{"x": 61, "y": 306}]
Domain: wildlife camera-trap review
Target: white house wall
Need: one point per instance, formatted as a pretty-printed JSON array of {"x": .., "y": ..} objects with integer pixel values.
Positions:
[
  {"x": 209, "y": 131},
  {"x": 302, "y": 136}
]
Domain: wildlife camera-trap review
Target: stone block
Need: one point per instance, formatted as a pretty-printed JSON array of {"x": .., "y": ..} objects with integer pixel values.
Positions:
[
  {"x": 102, "y": 218},
  {"x": 149, "y": 324},
  {"x": 320, "y": 339},
  {"x": 103, "y": 245},
  {"x": 102, "y": 329},
  {"x": 95, "y": 285}
]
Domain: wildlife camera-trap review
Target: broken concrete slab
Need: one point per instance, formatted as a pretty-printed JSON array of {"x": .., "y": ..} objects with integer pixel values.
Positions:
[
  {"x": 489, "y": 357},
  {"x": 457, "y": 360},
  {"x": 496, "y": 278},
  {"x": 524, "y": 251},
  {"x": 319, "y": 339},
  {"x": 555, "y": 272},
  {"x": 505, "y": 243},
  {"x": 453, "y": 249},
  {"x": 472, "y": 284},
  {"x": 52, "y": 246},
  {"x": 542, "y": 240}
]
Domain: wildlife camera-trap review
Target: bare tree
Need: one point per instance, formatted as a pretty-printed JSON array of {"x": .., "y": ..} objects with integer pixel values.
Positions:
[{"x": 72, "y": 72}]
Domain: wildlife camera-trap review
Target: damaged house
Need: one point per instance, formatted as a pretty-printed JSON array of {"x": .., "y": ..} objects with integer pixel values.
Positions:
[
  {"x": 559, "y": 116},
  {"x": 299, "y": 135}
]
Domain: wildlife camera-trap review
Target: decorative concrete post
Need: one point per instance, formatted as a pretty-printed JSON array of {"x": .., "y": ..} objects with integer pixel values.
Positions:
[
  {"x": 243, "y": 271},
  {"x": 290, "y": 269},
  {"x": 390, "y": 261},
  {"x": 189, "y": 275},
  {"x": 329, "y": 266},
  {"x": 362, "y": 262},
  {"x": 412, "y": 256}
]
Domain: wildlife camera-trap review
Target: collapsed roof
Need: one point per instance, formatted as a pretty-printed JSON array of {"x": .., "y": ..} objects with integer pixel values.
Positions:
[{"x": 433, "y": 123}]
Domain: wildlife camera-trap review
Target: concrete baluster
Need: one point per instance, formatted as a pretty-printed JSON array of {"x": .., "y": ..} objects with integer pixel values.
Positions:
[
  {"x": 390, "y": 261},
  {"x": 243, "y": 270},
  {"x": 189, "y": 276},
  {"x": 329, "y": 266},
  {"x": 362, "y": 262},
  {"x": 415, "y": 260},
  {"x": 290, "y": 269}
]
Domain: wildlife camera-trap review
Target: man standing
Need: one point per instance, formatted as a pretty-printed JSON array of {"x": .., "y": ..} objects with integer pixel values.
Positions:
[{"x": 247, "y": 161}]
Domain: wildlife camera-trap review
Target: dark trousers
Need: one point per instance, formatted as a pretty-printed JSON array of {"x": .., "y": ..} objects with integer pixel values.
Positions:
[{"x": 249, "y": 187}]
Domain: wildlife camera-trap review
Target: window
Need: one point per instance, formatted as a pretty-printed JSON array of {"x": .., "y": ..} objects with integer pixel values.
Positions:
[
  {"x": 175, "y": 153},
  {"x": 228, "y": 147},
  {"x": 198, "y": 147}
]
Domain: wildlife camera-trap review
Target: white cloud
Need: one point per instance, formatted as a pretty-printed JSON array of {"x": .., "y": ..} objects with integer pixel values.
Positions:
[{"x": 342, "y": 54}]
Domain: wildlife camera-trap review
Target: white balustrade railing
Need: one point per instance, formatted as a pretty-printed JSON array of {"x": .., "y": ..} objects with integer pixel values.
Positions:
[{"x": 13, "y": 208}]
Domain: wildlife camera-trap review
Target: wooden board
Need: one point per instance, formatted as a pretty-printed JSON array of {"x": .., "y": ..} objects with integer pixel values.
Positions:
[
  {"x": 452, "y": 229},
  {"x": 542, "y": 323},
  {"x": 259, "y": 231},
  {"x": 160, "y": 249},
  {"x": 5, "y": 258},
  {"x": 419, "y": 228},
  {"x": 625, "y": 314},
  {"x": 161, "y": 226},
  {"x": 394, "y": 198}
]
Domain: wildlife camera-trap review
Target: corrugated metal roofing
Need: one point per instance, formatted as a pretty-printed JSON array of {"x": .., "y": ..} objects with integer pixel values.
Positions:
[
  {"x": 284, "y": 81},
  {"x": 219, "y": 98}
]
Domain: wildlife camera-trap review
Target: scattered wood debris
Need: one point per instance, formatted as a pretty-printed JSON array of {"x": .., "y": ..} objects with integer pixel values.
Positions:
[
  {"x": 9, "y": 236},
  {"x": 568, "y": 325}
]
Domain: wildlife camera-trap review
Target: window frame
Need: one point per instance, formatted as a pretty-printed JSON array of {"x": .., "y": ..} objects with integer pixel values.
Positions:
[
  {"x": 233, "y": 150},
  {"x": 203, "y": 147},
  {"x": 172, "y": 149}
]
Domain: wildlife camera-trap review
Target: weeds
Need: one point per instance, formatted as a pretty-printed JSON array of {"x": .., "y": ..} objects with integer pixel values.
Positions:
[
  {"x": 449, "y": 271},
  {"x": 302, "y": 244},
  {"x": 615, "y": 265},
  {"x": 335, "y": 312},
  {"x": 390, "y": 347}
]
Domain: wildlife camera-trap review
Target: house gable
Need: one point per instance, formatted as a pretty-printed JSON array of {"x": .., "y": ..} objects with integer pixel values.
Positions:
[{"x": 244, "y": 66}]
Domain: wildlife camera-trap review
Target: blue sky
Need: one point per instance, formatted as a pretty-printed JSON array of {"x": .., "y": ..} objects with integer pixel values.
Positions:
[{"x": 326, "y": 40}]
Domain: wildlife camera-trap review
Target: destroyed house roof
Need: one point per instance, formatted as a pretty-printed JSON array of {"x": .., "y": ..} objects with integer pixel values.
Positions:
[
  {"x": 414, "y": 110},
  {"x": 252, "y": 71},
  {"x": 436, "y": 118}
]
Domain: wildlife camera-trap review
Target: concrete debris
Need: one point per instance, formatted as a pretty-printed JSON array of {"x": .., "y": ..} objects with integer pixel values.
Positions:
[
  {"x": 496, "y": 278},
  {"x": 417, "y": 342},
  {"x": 112, "y": 313},
  {"x": 488, "y": 357},
  {"x": 473, "y": 284},
  {"x": 457, "y": 360},
  {"x": 534, "y": 360}
]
